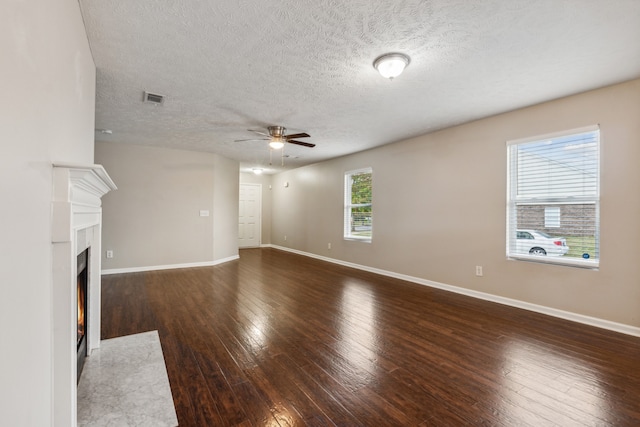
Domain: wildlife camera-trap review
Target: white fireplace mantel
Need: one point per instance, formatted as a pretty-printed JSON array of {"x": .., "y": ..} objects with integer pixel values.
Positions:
[
  {"x": 76, "y": 217},
  {"x": 77, "y": 193}
]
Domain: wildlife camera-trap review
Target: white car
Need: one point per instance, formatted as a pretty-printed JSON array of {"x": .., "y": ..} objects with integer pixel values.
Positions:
[{"x": 535, "y": 242}]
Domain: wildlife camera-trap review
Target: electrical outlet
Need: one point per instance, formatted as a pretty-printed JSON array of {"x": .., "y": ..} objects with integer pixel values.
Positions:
[
  {"x": 285, "y": 237},
  {"x": 479, "y": 270},
  {"x": 328, "y": 245},
  {"x": 109, "y": 254}
]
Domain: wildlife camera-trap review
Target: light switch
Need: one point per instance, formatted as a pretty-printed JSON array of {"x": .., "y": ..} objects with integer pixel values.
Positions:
[{"x": 204, "y": 213}]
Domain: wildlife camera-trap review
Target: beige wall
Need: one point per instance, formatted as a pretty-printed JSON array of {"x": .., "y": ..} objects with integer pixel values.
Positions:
[
  {"x": 439, "y": 205},
  {"x": 153, "y": 219},
  {"x": 225, "y": 208},
  {"x": 46, "y": 111},
  {"x": 265, "y": 182}
]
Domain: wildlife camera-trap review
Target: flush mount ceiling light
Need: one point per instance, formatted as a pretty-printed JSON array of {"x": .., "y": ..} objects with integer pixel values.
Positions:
[
  {"x": 257, "y": 171},
  {"x": 391, "y": 65}
]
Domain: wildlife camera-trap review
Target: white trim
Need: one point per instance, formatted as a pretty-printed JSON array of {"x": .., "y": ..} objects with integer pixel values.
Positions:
[
  {"x": 168, "y": 267},
  {"x": 552, "y": 135},
  {"x": 346, "y": 222},
  {"x": 553, "y": 260},
  {"x": 367, "y": 169},
  {"x": 363, "y": 239},
  {"x": 567, "y": 315}
]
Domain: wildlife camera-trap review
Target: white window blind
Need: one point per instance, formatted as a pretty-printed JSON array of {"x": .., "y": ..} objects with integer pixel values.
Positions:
[
  {"x": 358, "y": 212},
  {"x": 552, "y": 217},
  {"x": 553, "y": 198}
]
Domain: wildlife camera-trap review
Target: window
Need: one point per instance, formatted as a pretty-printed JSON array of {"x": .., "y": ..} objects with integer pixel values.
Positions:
[
  {"x": 552, "y": 217},
  {"x": 553, "y": 199},
  {"x": 358, "y": 214}
]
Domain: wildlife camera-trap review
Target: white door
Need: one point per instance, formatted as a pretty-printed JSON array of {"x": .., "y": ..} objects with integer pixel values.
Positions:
[{"x": 250, "y": 215}]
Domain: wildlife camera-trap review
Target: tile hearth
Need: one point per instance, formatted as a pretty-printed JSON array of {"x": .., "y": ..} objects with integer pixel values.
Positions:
[{"x": 125, "y": 383}]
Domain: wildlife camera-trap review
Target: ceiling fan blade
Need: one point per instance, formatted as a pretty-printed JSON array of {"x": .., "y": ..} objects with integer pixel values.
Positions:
[
  {"x": 304, "y": 144},
  {"x": 297, "y": 135},
  {"x": 259, "y": 132},
  {"x": 252, "y": 139}
]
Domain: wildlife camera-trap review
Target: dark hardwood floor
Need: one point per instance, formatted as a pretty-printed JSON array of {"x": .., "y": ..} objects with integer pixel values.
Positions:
[{"x": 277, "y": 339}]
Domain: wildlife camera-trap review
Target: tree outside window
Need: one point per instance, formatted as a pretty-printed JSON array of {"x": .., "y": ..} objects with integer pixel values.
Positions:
[{"x": 358, "y": 221}]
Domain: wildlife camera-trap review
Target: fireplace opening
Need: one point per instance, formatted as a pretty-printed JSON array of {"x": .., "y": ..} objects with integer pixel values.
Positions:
[{"x": 82, "y": 310}]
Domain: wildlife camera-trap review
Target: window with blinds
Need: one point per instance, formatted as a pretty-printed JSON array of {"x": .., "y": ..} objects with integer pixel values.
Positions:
[
  {"x": 358, "y": 213},
  {"x": 553, "y": 198}
]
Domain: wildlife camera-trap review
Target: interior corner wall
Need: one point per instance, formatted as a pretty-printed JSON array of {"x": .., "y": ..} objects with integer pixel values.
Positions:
[
  {"x": 154, "y": 218},
  {"x": 439, "y": 207},
  {"x": 226, "y": 203},
  {"x": 47, "y": 113},
  {"x": 265, "y": 182}
]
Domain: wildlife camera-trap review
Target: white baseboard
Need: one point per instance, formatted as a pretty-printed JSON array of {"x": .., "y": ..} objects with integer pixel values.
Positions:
[
  {"x": 567, "y": 315},
  {"x": 168, "y": 267}
]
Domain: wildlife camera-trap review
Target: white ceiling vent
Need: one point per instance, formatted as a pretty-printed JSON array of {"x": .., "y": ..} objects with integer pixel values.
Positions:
[{"x": 153, "y": 98}]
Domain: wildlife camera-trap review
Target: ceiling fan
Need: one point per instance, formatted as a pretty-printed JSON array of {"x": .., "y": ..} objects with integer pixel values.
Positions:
[{"x": 277, "y": 137}]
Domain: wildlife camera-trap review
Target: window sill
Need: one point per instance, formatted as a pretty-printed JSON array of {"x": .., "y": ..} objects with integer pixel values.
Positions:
[
  {"x": 358, "y": 239},
  {"x": 567, "y": 262}
]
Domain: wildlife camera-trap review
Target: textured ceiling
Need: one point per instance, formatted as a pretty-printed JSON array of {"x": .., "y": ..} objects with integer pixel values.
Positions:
[{"x": 227, "y": 66}]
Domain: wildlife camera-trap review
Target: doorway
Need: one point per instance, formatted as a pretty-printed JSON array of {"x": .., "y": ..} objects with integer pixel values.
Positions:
[{"x": 250, "y": 215}]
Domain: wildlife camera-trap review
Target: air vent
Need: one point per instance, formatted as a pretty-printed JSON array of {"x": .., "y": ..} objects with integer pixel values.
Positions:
[{"x": 153, "y": 98}]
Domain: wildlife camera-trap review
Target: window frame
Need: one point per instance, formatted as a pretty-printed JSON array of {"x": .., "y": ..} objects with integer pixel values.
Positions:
[
  {"x": 513, "y": 199},
  {"x": 348, "y": 205}
]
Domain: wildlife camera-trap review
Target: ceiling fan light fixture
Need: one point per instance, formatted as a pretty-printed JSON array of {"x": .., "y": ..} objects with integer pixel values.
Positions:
[
  {"x": 391, "y": 65},
  {"x": 276, "y": 143}
]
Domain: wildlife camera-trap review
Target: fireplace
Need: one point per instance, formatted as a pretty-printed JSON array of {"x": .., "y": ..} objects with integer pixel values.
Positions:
[
  {"x": 83, "y": 310},
  {"x": 76, "y": 214}
]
